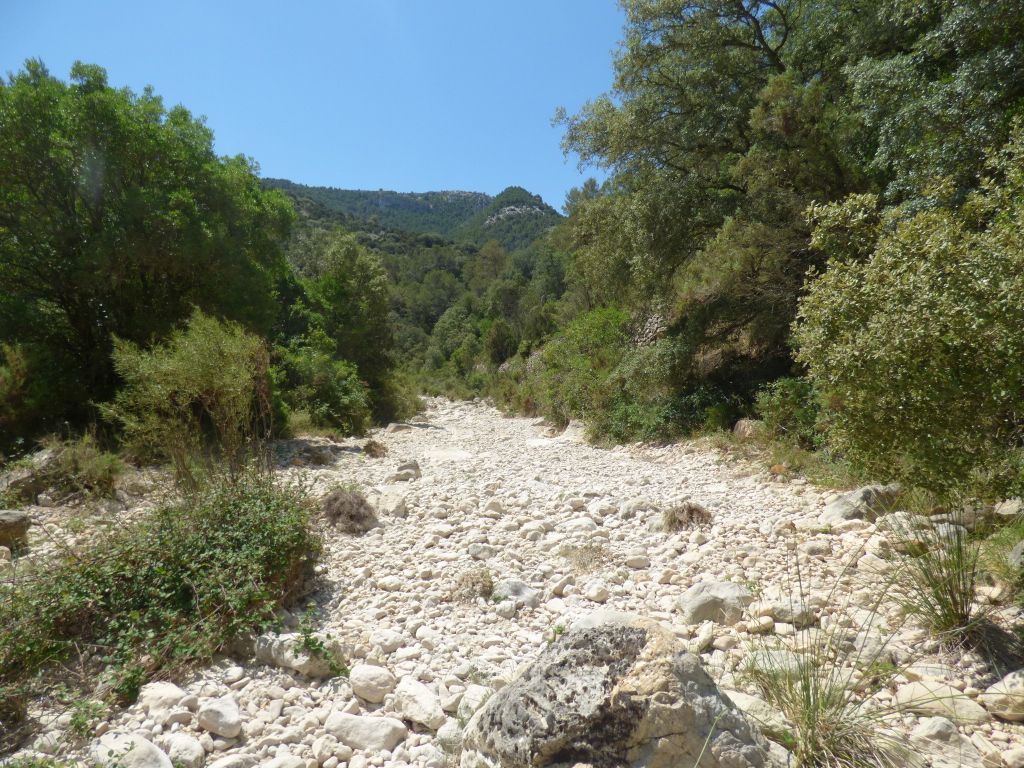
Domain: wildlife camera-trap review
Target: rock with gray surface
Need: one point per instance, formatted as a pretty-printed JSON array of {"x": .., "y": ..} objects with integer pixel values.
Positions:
[
  {"x": 14, "y": 529},
  {"x": 618, "y": 694},
  {"x": 719, "y": 601},
  {"x": 865, "y": 503}
]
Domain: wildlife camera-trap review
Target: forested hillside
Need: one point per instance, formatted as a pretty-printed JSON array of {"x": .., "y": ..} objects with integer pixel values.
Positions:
[{"x": 514, "y": 218}]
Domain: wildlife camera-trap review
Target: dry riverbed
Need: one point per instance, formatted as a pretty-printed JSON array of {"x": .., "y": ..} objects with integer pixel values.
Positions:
[{"x": 500, "y": 539}]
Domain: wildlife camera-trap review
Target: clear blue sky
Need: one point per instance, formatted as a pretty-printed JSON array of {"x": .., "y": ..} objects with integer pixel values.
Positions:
[{"x": 411, "y": 95}]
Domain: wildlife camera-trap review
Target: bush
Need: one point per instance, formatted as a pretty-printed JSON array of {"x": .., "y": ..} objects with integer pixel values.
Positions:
[
  {"x": 162, "y": 593},
  {"x": 790, "y": 411},
  {"x": 81, "y": 467},
  {"x": 329, "y": 390},
  {"x": 684, "y": 516},
  {"x": 995, "y": 557},
  {"x": 577, "y": 362},
  {"x": 500, "y": 341},
  {"x": 207, "y": 387},
  {"x": 939, "y": 576},
  {"x": 638, "y": 400},
  {"x": 349, "y": 511},
  {"x": 918, "y": 350}
]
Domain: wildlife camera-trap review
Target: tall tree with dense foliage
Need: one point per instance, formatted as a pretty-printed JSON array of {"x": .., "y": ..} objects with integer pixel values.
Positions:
[
  {"x": 117, "y": 218},
  {"x": 728, "y": 120},
  {"x": 916, "y": 346}
]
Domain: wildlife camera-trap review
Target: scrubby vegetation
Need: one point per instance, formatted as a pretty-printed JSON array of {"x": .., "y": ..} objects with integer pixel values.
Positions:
[
  {"x": 119, "y": 227},
  {"x": 159, "y": 594}
]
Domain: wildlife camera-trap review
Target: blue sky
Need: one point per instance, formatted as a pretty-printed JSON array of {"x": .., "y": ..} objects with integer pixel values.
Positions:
[{"x": 411, "y": 95}]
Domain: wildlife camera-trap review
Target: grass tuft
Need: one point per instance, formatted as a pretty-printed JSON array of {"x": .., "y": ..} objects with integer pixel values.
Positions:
[{"x": 684, "y": 516}]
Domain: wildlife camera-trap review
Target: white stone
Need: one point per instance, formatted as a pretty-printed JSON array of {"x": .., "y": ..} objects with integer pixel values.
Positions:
[
  {"x": 940, "y": 700},
  {"x": 418, "y": 704},
  {"x": 159, "y": 699},
  {"x": 121, "y": 750},
  {"x": 221, "y": 717},
  {"x": 371, "y": 682},
  {"x": 365, "y": 732},
  {"x": 185, "y": 751},
  {"x": 1005, "y": 699}
]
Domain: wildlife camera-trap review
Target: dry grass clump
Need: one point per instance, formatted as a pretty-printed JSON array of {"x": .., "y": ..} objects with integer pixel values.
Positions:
[
  {"x": 375, "y": 450},
  {"x": 348, "y": 511},
  {"x": 687, "y": 515},
  {"x": 473, "y": 584},
  {"x": 585, "y": 558}
]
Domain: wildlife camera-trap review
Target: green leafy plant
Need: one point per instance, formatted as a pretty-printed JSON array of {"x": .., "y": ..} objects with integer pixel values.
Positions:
[
  {"x": 556, "y": 632},
  {"x": 164, "y": 592},
  {"x": 198, "y": 399},
  {"x": 316, "y": 646},
  {"x": 85, "y": 713}
]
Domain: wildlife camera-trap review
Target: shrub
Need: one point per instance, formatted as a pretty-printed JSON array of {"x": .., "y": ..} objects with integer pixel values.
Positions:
[
  {"x": 500, "y": 341},
  {"x": 689, "y": 514},
  {"x": 375, "y": 449},
  {"x": 349, "y": 511},
  {"x": 995, "y": 557},
  {"x": 939, "y": 576},
  {"x": 577, "y": 362},
  {"x": 639, "y": 401},
  {"x": 473, "y": 584},
  {"x": 832, "y": 726},
  {"x": 329, "y": 390},
  {"x": 918, "y": 349},
  {"x": 790, "y": 411},
  {"x": 204, "y": 393},
  {"x": 825, "y": 691},
  {"x": 162, "y": 593},
  {"x": 81, "y": 466}
]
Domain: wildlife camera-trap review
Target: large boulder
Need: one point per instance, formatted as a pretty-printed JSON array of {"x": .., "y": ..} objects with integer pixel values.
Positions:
[
  {"x": 865, "y": 503},
  {"x": 749, "y": 429},
  {"x": 374, "y": 734},
  {"x": 29, "y": 477},
  {"x": 185, "y": 751},
  {"x": 418, "y": 704},
  {"x": 221, "y": 717},
  {"x": 933, "y": 699},
  {"x": 371, "y": 683},
  {"x": 160, "y": 699},
  {"x": 1005, "y": 699},
  {"x": 14, "y": 529},
  {"x": 719, "y": 601},
  {"x": 622, "y": 694}
]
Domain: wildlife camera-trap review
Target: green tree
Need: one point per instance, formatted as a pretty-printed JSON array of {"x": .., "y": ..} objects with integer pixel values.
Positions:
[
  {"x": 346, "y": 303},
  {"x": 116, "y": 219},
  {"x": 917, "y": 350}
]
